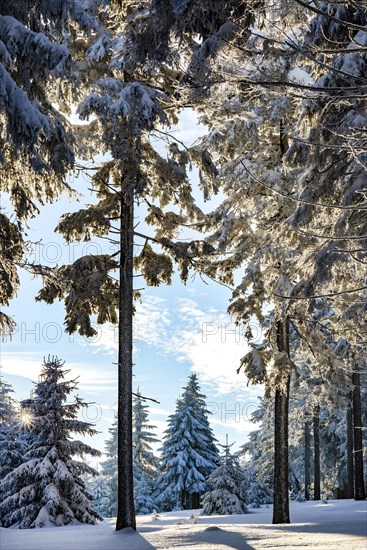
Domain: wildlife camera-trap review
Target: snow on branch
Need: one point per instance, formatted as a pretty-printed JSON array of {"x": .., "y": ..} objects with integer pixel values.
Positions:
[{"x": 254, "y": 366}]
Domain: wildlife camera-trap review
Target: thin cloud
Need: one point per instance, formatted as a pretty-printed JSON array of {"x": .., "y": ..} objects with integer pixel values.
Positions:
[{"x": 205, "y": 339}]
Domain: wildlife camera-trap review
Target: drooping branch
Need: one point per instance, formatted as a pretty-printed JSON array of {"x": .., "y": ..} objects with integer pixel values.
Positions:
[
  {"x": 315, "y": 296},
  {"x": 302, "y": 201}
]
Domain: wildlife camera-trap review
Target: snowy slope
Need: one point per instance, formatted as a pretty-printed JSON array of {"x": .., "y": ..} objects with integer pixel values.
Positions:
[{"x": 336, "y": 525}]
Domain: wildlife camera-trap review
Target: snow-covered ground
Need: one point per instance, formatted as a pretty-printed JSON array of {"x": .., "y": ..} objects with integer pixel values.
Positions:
[{"x": 337, "y": 525}]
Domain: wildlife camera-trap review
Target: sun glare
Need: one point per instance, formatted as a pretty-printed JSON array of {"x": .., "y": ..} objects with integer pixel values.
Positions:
[{"x": 26, "y": 419}]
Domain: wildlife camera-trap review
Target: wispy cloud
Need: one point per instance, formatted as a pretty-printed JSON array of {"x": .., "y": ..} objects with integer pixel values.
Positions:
[
  {"x": 26, "y": 365},
  {"x": 152, "y": 324},
  {"x": 206, "y": 339},
  {"x": 158, "y": 411},
  {"x": 212, "y": 344},
  {"x": 90, "y": 379}
]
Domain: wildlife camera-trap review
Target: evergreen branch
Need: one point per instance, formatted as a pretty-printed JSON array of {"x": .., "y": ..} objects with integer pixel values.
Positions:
[
  {"x": 197, "y": 225},
  {"x": 232, "y": 289},
  {"x": 332, "y": 146},
  {"x": 300, "y": 49},
  {"x": 326, "y": 295},
  {"x": 302, "y": 337},
  {"x": 358, "y": 260},
  {"x": 146, "y": 237},
  {"x": 311, "y": 6},
  {"x": 296, "y": 199},
  {"x": 113, "y": 241},
  {"x": 331, "y": 237},
  {"x": 287, "y": 84},
  {"x": 350, "y": 250},
  {"x": 165, "y": 133}
]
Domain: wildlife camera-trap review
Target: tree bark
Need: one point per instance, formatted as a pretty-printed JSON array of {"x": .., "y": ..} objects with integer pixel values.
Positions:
[
  {"x": 359, "y": 488},
  {"x": 125, "y": 496},
  {"x": 281, "y": 475},
  {"x": 307, "y": 458},
  {"x": 195, "y": 501},
  {"x": 316, "y": 446},
  {"x": 350, "y": 454}
]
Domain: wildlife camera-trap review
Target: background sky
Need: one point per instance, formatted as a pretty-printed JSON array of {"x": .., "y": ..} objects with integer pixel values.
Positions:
[{"x": 178, "y": 329}]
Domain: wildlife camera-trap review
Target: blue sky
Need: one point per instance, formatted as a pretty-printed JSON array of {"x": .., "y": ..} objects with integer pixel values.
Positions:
[{"x": 177, "y": 330}]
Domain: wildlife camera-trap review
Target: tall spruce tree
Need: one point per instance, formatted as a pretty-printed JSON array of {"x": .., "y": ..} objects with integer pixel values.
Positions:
[
  {"x": 269, "y": 143},
  {"x": 188, "y": 454},
  {"x": 127, "y": 103},
  {"x": 245, "y": 138},
  {"x": 47, "y": 488}
]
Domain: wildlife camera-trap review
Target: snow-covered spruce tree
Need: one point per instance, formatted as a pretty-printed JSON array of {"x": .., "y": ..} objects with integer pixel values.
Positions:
[
  {"x": 257, "y": 129},
  {"x": 144, "y": 461},
  {"x": 318, "y": 410},
  {"x": 126, "y": 105},
  {"x": 38, "y": 46},
  {"x": 246, "y": 138},
  {"x": 99, "y": 489},
  {"x": 329, "y": 148},
  {"x": 9, "y": 410},
  {"x": 258, "y": 492},
  {"x": 143, "y": 494},
  {"x": 264, "y": 142},
  {"x": 328, "y": 155},
  {"x": 47, "y": 487},
  {"x": 11, "y": 445},
  {"x": 226, "y": 494},
  {"x": 188, "y": 454},
  {"x": 109, "y": 470}
]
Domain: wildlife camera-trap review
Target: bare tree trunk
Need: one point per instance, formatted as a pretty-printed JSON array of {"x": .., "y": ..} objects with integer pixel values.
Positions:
[
  {"x": 307, "y": 459},
  {"x": 359, "y": 489},
  {"x": 350, "y": 454},
  {"x": 125, "y": 496},
  {"x": 281, "y": 475},
  {"x": 316, "y": 447}
]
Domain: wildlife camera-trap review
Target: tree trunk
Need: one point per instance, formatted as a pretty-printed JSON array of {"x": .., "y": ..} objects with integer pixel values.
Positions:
[
  {"x": 281, "y": 481},
  {"x": 359, "y": 489},
  {"x": 316, "y": 446},
  {"x": 350, "y": 454},
  {"x": 125, "y": 496},
  {"x": 195, "y": 501},
  {"x": 307, "y": 459},
  {"x": 185, "y": 500}
]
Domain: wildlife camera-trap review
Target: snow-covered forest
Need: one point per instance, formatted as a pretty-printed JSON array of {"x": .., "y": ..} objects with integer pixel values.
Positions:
[{"x": 93, "y": 89}]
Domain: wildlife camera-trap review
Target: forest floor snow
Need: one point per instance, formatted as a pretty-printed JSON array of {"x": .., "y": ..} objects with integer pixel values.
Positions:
[{"x": 337, "y": 524}]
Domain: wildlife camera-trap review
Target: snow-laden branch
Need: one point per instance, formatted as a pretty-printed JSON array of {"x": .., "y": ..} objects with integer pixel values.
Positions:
[{"x": 302, "y": 201}]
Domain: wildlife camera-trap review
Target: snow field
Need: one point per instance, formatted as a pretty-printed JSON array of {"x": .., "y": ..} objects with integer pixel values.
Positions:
[{"x": 336, "y": 525}]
